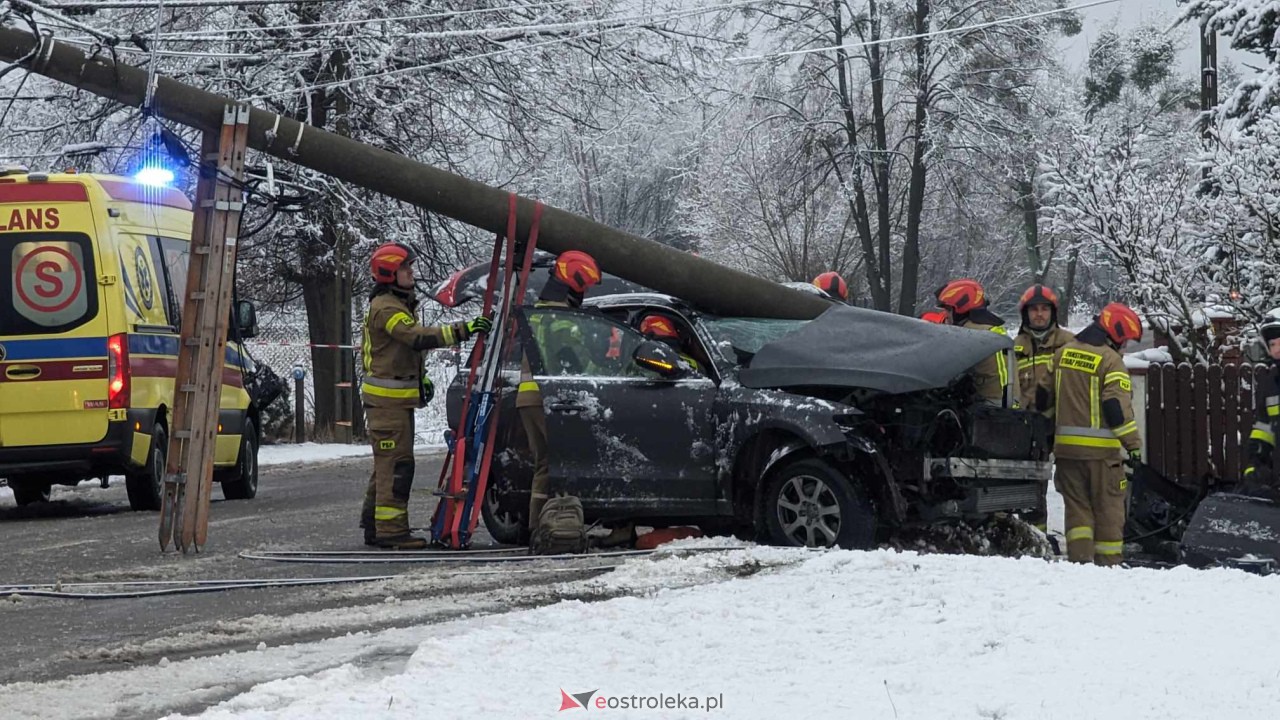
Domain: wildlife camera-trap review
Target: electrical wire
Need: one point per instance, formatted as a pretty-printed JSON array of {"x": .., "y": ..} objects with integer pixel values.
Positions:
[
  {"x": 482, "y": 56},
  {"x": 921, "y": 36},
  {"x": 145, "y": 4},
  {"x": 107, "y": 38}
]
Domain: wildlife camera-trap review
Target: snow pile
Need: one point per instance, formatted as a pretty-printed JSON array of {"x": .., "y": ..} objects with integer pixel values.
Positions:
[
  {"x": 842, "y": 634},
  {"x": 1145, "y": 358}
]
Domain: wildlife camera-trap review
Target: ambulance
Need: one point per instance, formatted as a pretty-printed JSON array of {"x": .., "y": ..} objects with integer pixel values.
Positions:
[{"x": 96, "y": 269}]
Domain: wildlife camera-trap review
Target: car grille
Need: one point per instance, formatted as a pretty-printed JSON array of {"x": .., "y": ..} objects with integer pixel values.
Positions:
[{"x": 1014, "y": 496}]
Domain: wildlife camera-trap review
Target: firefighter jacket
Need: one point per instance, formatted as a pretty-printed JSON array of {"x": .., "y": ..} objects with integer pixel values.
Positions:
[
  {"x": 992, "y": 376},
  {"x": 552, "y": 338},
  {"x": 1035, "y": 366},
  {"x": 1093, "y": 400},
  {"x": 393, "y": 350},
  {"x": 1262, "y": 440}
]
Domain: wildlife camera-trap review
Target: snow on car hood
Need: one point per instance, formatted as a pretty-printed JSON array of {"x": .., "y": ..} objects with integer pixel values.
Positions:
[{"x": 859, "y": 348}]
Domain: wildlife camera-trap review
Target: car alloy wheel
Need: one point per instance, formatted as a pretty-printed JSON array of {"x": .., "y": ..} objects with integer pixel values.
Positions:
[{"x": 808, "y": 511}]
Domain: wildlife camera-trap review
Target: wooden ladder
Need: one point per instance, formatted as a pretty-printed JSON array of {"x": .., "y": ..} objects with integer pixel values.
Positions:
[{"x": 206, "y": 314}]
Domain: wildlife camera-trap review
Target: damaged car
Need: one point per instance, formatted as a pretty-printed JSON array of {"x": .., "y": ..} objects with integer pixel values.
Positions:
[{"x": 828, "y": 432}]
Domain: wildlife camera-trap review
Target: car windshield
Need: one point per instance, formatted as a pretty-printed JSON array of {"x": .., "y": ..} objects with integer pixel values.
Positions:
[{"x": 748, "y": 335}]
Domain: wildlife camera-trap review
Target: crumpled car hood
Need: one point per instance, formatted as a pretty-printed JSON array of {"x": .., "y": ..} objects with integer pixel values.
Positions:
[{"x": 858, "y": 348}]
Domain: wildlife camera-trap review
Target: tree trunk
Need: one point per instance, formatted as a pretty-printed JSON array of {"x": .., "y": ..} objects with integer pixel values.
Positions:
[
  {"x": 1030, "y": 207},
  {"x": 881, "y": 168},
  {"x": 1069, "y": 287},
  {"x": 916, "y": 188}
]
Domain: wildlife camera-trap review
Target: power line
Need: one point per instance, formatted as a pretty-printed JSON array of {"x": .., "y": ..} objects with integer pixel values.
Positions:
[
  {"x": 920, "y": 36},
  {"x": 222, "y": 34},
  {"x": 31, "y": 7},
  {"x": 144, "y": 5}
]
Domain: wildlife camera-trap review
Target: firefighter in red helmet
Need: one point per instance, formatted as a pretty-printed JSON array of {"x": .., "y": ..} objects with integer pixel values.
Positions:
[
  {"x": 572, "y": 275},
  {"x": 394, "y": 385},
  {"x": 965, "y": 303},
  {"x": 663, "y": 329},
  {"x": 833, "y": 285},
  {"x": 1039, "y": 340},
  {"x": 1095, "y": 434}
]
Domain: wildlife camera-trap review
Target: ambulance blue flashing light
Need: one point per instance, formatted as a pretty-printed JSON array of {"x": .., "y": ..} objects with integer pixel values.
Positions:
[{"x": 154, "y": 176}]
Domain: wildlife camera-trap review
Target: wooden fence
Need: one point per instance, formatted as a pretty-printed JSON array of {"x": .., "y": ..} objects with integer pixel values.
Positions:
[{"x": 1198, "y": 419}]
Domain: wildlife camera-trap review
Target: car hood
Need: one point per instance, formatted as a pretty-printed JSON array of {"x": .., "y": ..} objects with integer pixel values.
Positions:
[{"x": 858, "y": 348}]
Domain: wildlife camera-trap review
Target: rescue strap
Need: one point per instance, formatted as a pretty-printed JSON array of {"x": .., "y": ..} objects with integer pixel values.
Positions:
[{"x": 515, "y": 555}]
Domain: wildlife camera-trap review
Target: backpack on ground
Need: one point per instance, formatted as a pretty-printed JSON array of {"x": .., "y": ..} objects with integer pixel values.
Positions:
[{"x": 560, "y": 529}]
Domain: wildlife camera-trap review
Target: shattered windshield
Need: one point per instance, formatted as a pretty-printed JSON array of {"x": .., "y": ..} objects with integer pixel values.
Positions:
[{"x": 745, "y": 336}]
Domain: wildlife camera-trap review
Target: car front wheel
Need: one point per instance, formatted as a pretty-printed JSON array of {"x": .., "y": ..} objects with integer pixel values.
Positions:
[
  {"x": 507, "y": 527},
  {"x": 810, "y": 503}
]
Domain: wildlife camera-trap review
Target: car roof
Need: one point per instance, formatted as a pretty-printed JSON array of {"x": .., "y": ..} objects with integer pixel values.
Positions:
[{"x": 638, "y": 298}]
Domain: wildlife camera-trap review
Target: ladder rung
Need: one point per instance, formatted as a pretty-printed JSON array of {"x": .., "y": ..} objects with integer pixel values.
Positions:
[
  {"x": 342, "y": 385},
  {"x": 343, "y": 423}
]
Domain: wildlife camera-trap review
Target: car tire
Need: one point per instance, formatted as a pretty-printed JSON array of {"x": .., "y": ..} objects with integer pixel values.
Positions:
[
  {"x": 146, "y": 486},
  {"x": 505, "y": 527},
  {"x": 242, "y": 484},
  {"x": 26, "y": 492},
  {"x": 809, "y": 502}
]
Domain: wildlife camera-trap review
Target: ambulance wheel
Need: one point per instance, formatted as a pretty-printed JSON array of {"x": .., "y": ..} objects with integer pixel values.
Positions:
[
  {"x": 146, "y": 486},
  {"x": 243, "y": 483},
  {"x": 26, "y": 492}
]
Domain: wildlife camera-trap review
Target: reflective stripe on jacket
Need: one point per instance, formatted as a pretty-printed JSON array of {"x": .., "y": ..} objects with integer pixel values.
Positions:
[
  {"x": 392, "y": 351},
  {"x": 1086, "y": 377},
  {"x": 1035, "y": 364}
]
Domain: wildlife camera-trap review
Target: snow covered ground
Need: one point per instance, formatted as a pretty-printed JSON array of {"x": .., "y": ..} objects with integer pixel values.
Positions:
[{"x": 767, "y": 633}]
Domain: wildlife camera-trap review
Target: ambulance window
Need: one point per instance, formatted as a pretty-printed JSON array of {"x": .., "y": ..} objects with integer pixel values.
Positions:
[
  {"x": 175, "y": 254},
  {"x": 51, "y": 286},
  {"x": 162, "y": 280}
]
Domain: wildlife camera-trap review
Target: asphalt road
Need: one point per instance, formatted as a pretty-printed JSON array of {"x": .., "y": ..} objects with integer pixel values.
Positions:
[{"x": 87, "y": 534}]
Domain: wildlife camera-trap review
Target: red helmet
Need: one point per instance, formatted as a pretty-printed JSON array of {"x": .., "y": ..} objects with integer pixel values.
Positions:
[
  {"x": 937, "y": 317},
  {"x": 1038, "y": 295},
  {"x": 578, "y": 270},
  {"x": 657, "y": 326},
  {"x": 832, "y": 284},
  {"x": 387, "y": 258},
  {"x": 1120, "y": 323},
  {"x": 962, "y": 296}
]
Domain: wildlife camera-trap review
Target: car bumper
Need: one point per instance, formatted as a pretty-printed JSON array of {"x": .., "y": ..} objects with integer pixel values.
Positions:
[{"x": 113, "y": 454}]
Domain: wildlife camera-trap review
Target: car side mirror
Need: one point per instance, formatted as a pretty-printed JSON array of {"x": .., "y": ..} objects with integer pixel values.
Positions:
[
  {"x": 658, "y": 357},
  {"x": 247, "y": 319}
]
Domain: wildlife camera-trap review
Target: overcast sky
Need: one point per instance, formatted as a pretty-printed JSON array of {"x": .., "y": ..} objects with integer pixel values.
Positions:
[{"x": 1127, "y": 14}]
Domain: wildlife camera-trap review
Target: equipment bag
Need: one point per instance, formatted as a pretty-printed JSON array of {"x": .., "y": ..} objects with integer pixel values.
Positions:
[{"x": 560, "y": 529}]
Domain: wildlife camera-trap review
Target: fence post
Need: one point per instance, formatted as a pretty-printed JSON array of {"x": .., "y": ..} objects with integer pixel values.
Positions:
[{"x": 299, "y": 405}]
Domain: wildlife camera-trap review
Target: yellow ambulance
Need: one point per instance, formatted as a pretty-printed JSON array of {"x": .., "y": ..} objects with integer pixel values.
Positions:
[{"x": 96, "y": 268}]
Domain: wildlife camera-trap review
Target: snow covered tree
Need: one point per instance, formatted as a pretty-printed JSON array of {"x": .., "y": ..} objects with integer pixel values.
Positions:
[{"x": 1253, "y": 26}]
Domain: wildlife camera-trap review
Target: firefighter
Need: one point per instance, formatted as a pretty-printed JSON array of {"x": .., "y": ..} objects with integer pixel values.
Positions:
[
  {"x": 1094, "y": 412},
  {"x": 965, "y": 304},
  {"x": 394, "y": 385},
  {"x": 1258, "y": 473},
  {"x": 663, "y": 329},
  {"x": 833, "y": 285},
  {"x": 1039, "y": 339},
  {"x": 573, "y": 273}
]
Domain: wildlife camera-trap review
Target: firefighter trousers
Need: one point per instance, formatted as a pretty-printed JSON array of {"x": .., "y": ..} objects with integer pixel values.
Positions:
[
  {"x": 386, "y": 501},
  {"x": 1094, "y": 492},
  {"x": 535, "y": 428}
]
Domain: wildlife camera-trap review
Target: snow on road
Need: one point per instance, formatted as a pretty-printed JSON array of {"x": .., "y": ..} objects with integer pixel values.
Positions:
[
  {"x": 843, "y": 634},
  {"x": 769, "y": 632}
]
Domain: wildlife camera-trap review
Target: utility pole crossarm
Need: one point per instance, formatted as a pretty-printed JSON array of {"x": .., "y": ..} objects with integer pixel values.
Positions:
[{"x": 665, "y": 269}]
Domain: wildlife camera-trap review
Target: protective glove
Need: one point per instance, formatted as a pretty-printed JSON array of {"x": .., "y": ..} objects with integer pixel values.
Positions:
[
  {"x": 428, "y": 390},
  {"x": 1135, "y": 458},
  {"x": 481, "y": 324}
]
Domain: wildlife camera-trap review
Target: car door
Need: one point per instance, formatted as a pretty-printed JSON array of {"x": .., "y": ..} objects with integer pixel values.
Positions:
[{"x": 620, "y": 437}]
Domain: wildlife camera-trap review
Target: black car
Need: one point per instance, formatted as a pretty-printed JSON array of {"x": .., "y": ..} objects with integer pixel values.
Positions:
[{"x": 826, "y": 432}]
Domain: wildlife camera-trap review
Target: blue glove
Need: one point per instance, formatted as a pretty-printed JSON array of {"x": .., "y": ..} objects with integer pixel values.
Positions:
[{"x": 481, "y": 324}]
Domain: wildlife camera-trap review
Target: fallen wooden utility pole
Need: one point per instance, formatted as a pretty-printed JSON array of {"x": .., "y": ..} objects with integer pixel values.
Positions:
[{"x": 700, "y": 281}]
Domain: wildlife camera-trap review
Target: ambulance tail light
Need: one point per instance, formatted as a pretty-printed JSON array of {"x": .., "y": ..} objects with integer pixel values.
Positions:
[{"x": 118, "y": 372}]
